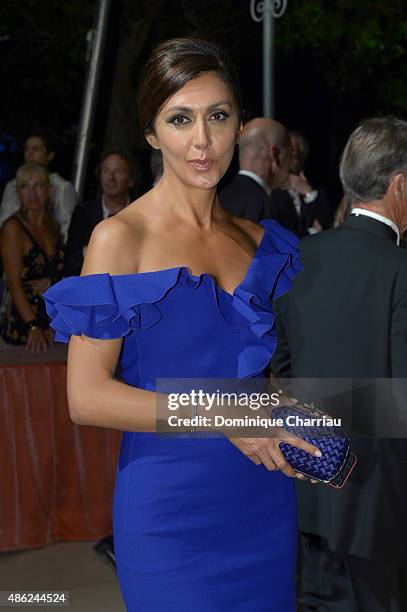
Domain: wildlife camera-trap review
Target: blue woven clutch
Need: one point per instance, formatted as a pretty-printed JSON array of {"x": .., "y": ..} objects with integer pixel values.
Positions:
[{"x": 336, "y": 463}]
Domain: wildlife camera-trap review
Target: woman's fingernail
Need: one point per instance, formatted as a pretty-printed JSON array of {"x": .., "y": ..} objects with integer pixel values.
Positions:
[{"x": 318, "y": 453}]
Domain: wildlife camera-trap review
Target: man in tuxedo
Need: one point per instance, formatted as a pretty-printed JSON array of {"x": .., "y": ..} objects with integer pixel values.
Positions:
[
  {"x": 346, "y": 317},
  {"x": 115, "y": 181},
  {"x": 264, "y": 159},
  {"x": 300, "y": 207}
]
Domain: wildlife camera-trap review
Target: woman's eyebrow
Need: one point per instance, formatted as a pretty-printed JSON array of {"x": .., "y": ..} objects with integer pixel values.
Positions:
[{"x": 188, "y": 109}]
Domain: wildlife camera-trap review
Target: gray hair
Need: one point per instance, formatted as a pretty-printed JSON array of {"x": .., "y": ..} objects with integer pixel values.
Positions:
[{"x": 374, "y": 153}]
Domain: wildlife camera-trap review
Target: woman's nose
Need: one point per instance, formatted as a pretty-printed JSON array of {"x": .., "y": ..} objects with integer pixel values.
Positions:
[{"x": 202, "y": 136}]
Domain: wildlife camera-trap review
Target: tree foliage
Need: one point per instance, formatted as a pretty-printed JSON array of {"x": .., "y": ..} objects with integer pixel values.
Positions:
[
  {"x": 351, "y": 52},
  {"x": 43, "y": 49},
  {"x": 353, "y": 45}
]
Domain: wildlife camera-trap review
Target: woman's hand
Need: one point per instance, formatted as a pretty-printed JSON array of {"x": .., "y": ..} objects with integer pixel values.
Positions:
[
  {"x": 299, "y": 183},
  {"x": 49, "y": 334},
  {"x": 36, "y": 341},
  {"x": 267, "y": 451}
]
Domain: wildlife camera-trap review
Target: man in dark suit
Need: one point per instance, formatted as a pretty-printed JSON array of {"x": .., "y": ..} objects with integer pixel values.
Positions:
[
  {"x": 346, "y": 317},
  {"x": 115, "y": 181},
  {"x": 264, "y": 159},
  {"x": 300, "y": 207}
]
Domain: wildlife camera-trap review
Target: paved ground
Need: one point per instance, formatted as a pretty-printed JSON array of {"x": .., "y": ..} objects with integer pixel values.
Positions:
[{"x": 67, "y": 566}]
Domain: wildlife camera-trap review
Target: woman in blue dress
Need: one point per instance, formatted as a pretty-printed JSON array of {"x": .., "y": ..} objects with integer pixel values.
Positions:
[{"x": 174, "y": 287}]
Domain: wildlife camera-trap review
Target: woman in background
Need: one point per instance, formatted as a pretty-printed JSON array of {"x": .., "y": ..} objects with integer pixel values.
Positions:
[
  {"x": 32, "y": 255},
  {"x": 40, "y": 148}
]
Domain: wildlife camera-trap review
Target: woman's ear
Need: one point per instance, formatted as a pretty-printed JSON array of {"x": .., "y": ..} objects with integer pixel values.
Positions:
[
  {"x": 239, "y": 131},
  {"x": 152, "y": 140}
]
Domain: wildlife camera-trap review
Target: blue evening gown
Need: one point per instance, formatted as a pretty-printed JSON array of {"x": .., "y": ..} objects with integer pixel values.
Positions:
[{"x": 198, "y": 527}]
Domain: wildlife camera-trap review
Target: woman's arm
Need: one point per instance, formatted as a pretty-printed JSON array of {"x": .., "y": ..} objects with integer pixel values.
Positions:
[
  {"x": 94, "y": 396},
  {"x": 11, "y": 254}
]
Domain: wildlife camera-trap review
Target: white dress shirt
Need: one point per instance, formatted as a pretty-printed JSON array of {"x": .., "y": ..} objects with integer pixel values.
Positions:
[
  {"x": 373, "y": 215},
  {"x": 63, "y": 198}
]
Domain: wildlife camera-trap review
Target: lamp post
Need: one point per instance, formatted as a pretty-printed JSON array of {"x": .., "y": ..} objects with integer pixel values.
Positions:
[
  {"x": 266, "y": 11},
  {"x": 96, "y": 42}
]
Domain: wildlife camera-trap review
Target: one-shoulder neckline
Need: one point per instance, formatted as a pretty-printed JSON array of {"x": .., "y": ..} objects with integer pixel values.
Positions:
[{"x": 197, "y": 277}]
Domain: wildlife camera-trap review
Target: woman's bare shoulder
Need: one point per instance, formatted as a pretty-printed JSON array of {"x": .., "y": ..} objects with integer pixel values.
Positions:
[
  {"x": 114, "y": 246},
  {"x": 12, "y": 224},
  {"x": 11, "y": 229}
]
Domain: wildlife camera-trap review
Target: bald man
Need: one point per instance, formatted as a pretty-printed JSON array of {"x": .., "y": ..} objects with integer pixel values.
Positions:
[{"x": 264, "y": 160}]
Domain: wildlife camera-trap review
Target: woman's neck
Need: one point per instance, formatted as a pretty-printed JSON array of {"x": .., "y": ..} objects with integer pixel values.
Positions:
[
  {"x": 194, "y": 206},
  {"x": 34, "y": 217}
]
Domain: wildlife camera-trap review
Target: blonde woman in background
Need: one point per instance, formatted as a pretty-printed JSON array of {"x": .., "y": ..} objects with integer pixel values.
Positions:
[
  {"x": 32, "y": 255},
  {"x": 40, "y": 148}
]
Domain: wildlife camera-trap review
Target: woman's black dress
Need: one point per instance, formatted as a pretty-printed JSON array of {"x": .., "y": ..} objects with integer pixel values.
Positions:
[{"x": 38, "y": 273}]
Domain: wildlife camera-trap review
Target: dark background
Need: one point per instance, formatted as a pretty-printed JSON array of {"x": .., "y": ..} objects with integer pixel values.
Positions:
[{"x": 336, "y": 62}]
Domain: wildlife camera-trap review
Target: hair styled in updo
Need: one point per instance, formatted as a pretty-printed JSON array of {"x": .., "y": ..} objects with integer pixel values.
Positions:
[{"x": 171, "y": 65}]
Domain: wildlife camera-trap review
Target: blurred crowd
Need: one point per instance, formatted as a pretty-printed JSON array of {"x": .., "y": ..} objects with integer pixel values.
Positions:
[{"x": 45, "y": 230}]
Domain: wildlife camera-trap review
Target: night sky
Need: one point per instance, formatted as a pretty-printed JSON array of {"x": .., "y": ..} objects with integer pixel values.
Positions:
[{"x": 334, "y": 65}]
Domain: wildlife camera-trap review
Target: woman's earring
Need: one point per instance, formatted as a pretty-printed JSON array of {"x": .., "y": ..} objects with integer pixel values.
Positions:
[{"x": 152, "y": 141}]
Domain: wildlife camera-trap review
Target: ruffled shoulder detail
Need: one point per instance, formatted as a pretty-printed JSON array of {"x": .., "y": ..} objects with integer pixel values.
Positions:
[
  {"x": 270, "y": 275},
  {"x": 276, "y": 262},
  {"x": 106, "y": 307}
]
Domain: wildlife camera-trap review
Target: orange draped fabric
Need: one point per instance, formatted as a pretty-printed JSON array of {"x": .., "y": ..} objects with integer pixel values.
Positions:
[{"x": 56, "y": 479}]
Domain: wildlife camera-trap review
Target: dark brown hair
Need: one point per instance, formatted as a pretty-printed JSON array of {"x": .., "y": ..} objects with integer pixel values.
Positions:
[
  {"x": 132, "y": 162},
  {"x": 46, "y": 137},
  {"x": 107, "y": 153},
  {"x": 171, "y": 65}
]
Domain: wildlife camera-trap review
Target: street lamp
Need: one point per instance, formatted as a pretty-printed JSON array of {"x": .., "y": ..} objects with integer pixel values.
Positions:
[
  {"x": 266, "y": 11},
  {"x": 96, "y": 46}
]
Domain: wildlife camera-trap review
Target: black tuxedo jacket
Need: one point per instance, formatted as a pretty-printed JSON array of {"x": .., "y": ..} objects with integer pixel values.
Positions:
[
  {"x": 245, "y": 198},
  {"x": 283, "y": 210},
  {"x": 84, "y": 219},
  {"x": 346, "y": 317}
]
